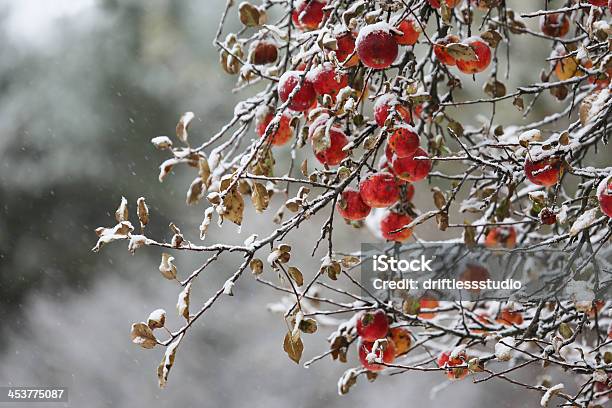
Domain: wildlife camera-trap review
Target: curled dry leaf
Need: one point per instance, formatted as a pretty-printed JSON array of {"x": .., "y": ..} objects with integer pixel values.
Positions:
[
  {"x": 136, "y": 242},
  {"x": 250, "y": 15},
  {"x": 182, "y": 304},
  {"x": 348, "y": 379},
  {"x": 256, "y": 266},
  {"x": 166, "y": 167},
  {"x": 204, "y": 171},
  {"x": 122, "y": 211},
  {"x": 469, "y": 236},
  {"x": 183, "y": 125},
  {"x": 233, "y": 206},
  {"x": 438, "y": 197},
  {"x": 108, "y": 235},
  {"x": 321, "y": 139},
  {"x": 350, "y": 261},
  {"x": 167, "y": 362},
  {"x": 260, "y": 197},
  {"x": 208, "y": 213},
  {"x": 492, "y": 38},
  {"x": 293, "y": 346},
  {"x": 157, "y": 319},
  {"x": 143, "y": 212},
  {"x": 296, "y": 275},
  {"x": 166, "y": 267},
  {"x": 195, "y": 191},
  {"x": 143, "y": 335},
  {"x": 162, "y": 142},
  {"x": 308, "y": 326}
]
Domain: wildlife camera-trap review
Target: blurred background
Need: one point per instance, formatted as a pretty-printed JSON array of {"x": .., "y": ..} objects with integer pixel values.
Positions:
[{"x": 84, "y": 86}]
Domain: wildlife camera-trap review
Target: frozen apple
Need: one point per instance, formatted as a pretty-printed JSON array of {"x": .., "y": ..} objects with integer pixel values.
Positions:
[
  {"x": 334, "y": 153},
  {"x": 442, "y": 53},
  {"x": 386, "y": 354},
  {"x": 410, "y": 32},
  {"x": 326, "y": 80},
  {"x": 283, "y": 132},
  {"x": 555, "y": 25},
  {"x": 372, "y": 325},
  {"x": 393, "y": 227},
  {"x": 412, "y": 168},
  {"x": 303, "y": 98},
  {"x": 604, "y": 195},
  {"x": 501, "y": 237},
  {"x": 455, "y": 363},
  {"x": 404, "y": 141},
  {"x": 351, "y": 207},
  {"x": 483, "y": 56},
  {"x": 379, "y": 190},
  {"x": 388, "y": 104},
  {"x": 345, "y": 42},
  {"x": 308, "y": 14},
  {"x": 544, "y": 172},
  {"x": 376, "y": 45}
]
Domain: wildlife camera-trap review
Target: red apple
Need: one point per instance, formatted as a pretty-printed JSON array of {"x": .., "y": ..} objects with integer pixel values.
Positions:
[
  {"x": 283, "y": 132},
  {"x": 351, "y": 207},
  {"x": 604, "y": 195},
  {"x": 393, "y": 221},
  {"x": 305, "y": 96},
  {"x": 308, "y": 14},
  {"x": 483, "y": 57},
  {"x": 404, "y": 140},
  {"x": 385, "y": 105},
  {"x": 411, "y": 169},
  {"x": 544, "y": 172},
  {"x": 365, "y": 348},
  {"x": 372, "y": 325},
  {"x": 379, "y": 190},
  {"x": 376, "y": 45}
]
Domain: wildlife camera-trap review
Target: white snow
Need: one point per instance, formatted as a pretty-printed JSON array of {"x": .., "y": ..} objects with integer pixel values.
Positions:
[
  {"x": 551, "y": 391},
  {"x": 380, "y": 27},
  {"x": 503, "y": 349}
]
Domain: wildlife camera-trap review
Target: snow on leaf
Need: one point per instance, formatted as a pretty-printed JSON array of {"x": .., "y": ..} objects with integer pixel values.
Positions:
[
  {"x": 504, "y": 349},
  {"x": 348, "y": 379},
  {"x": 195, "y": 191},
  {"x": 583, "y": 222},
  {"x": 122, "y": 211},
  {"x": 162, "y": 142},
  {"x": 166, "y": 167},
  {"x": 549, "y": 393},
  {"x": 143, "y": 335},
  {"x": 166, "y": 267},
  {"x": 136, "y": 242},
  {"x": 157, "y": 319},
  {"x": 108, "y": 235},
  {"x": 208, "y": 213},
  {"x": 228, "y": 288},
  {"x": 167, "y": 362},
  {"x": 183, "y": 302},
  {"x": 143, "y": 212},
  {"x": 183, "y": 125}
]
